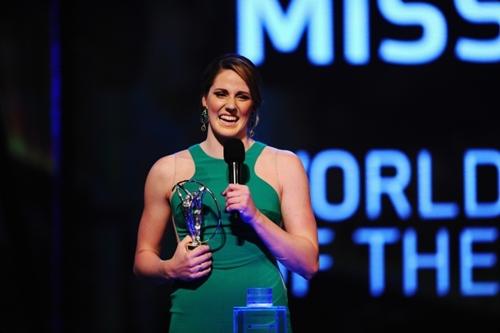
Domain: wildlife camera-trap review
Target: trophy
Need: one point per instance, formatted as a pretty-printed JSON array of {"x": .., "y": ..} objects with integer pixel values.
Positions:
[{"x": 192, "y": 209}]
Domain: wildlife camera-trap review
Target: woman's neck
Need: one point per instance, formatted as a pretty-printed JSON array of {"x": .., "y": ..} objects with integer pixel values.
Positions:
[{"x": 214, "y": 146}]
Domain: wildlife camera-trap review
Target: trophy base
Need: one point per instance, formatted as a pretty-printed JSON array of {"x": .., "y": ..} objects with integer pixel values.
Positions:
[
  {"x": 192, "y": 246},
  {"x": 269, "y": 319}
]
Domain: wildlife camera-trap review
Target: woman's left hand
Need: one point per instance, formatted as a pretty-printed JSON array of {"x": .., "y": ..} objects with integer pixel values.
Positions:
[{"x": 238, "y": 198}]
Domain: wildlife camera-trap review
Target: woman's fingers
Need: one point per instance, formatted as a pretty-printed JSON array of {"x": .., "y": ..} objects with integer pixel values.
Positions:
[{"x": 194, "y": 263}]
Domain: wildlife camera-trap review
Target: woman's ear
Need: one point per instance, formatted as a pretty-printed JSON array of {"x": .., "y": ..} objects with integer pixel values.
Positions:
[{"x": 204, "y": 102}]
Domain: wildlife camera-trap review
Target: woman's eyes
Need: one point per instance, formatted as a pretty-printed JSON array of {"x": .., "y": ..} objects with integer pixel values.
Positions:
[{"x": 242, "y": 97}]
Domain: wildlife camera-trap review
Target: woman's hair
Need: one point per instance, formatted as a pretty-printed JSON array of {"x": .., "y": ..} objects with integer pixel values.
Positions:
[{"x": 242, "y": 66}]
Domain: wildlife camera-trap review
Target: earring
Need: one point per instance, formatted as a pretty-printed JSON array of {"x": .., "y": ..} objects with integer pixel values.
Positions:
[
  {"x": 254, "y": 120},
  {"x": 204, "y": 119}
]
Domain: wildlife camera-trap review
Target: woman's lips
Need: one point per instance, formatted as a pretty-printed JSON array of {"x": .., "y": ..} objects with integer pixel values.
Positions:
[{"x": 228, "y": 118}]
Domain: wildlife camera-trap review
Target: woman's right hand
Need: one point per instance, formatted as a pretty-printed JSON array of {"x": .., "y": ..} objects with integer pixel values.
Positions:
[{"x": 188, "y": 265}]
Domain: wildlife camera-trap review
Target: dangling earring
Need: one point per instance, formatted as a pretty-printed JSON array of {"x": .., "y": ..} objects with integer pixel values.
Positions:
[
  {"x": 254, "y": 120},
  {"x": 204, "y": 119}
]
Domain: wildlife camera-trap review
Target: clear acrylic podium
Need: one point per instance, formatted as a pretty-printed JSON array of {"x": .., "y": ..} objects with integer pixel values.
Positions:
[{"x": 259, "y": 316}]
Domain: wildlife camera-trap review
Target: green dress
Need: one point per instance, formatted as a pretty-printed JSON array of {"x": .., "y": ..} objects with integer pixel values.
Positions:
[{"x": 239, "y": 259}]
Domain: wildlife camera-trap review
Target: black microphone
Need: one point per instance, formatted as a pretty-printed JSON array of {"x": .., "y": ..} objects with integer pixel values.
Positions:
[{"x": 234, "y": 155}]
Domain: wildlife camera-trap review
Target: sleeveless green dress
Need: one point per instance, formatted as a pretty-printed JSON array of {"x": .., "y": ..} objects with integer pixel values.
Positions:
[{"x": 239, "y": 259}]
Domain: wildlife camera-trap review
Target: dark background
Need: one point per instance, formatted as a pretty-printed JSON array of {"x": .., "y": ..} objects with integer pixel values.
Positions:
[{"x": 130, "y": 94}]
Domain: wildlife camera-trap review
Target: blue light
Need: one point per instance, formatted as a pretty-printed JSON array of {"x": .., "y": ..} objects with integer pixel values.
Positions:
[
  {"x": 325, "y": 237},
  {"x": 394, "y": 187},
  {"x": 300, "y": 286},
  {"x": 413, "y": 261},
  {"x": 314, "y": 19},
  {"x": 434, "y": 36},
  {"x": 285, "y": 29},
  {"x": 376, "y": 239},
  {"x": 304, "y": 158},
  {"x": 357, "y": 32},
  {"x": 427, "y": 208},
  {"x": 472, "y": 159},
  {"x": 473, "y": 50},
  {"x": 283, "y": 271},
  {"x": 325, "y": 262},
  {"x": 55, "y": 109},
  {"x": 469, "y": 260},
  {"x": 334, "y": 158}
]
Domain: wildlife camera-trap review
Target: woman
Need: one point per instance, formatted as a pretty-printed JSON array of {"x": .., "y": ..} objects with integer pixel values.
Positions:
[{"x": 274, "y": 217}]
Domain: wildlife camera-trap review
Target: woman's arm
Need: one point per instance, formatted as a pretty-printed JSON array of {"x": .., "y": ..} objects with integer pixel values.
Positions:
[
  {"x": 296, "y": 246},
  {"x": 184, "y": 264}
]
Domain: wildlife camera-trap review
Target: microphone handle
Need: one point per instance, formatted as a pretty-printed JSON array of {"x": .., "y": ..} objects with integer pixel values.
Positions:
[
  {"x": 234, "y": 178},
  {"x": 234, "y": 173}
]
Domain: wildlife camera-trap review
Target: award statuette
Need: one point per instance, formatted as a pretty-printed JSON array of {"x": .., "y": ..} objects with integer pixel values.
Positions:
[{"x": 191, "y": 194}]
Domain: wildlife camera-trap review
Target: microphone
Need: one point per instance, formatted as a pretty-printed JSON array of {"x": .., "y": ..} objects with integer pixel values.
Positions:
[{"x": 234, "y": 155}]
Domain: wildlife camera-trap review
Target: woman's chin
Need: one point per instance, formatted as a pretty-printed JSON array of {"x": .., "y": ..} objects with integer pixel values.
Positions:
[{"x": 228, "y": 131}]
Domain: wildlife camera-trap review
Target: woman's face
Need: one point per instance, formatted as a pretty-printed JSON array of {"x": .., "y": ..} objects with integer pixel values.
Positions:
[{"x": 229, "y": 105}]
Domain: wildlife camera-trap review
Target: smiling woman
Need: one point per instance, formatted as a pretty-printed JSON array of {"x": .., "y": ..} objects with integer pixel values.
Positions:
[
  {"x": 240, "y": 74},
  {"x": 229, "y": 105},
  {"x": 267, "y": 217}
]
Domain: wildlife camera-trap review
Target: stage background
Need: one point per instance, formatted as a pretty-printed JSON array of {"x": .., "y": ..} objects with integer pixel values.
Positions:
[{"x": 130, "y": 94}]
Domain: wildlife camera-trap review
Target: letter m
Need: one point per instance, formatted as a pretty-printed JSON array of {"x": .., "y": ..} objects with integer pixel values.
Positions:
[{"x": 285, "y": 28}]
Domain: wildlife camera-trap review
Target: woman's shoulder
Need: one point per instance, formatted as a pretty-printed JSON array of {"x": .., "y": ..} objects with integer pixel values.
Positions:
[
  {"x": 167, "y": 161},
  {"x": 286, "y": 163},
  {"x": 282, "y": 155},
  {"x": 166, "y": 165}
]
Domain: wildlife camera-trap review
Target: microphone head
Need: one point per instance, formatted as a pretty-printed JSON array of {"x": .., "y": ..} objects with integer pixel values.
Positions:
[{"x": 234, "y": 151}]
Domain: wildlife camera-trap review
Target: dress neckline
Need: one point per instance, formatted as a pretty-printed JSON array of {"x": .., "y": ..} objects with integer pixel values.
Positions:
[{"x": 249, "y": 151}]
